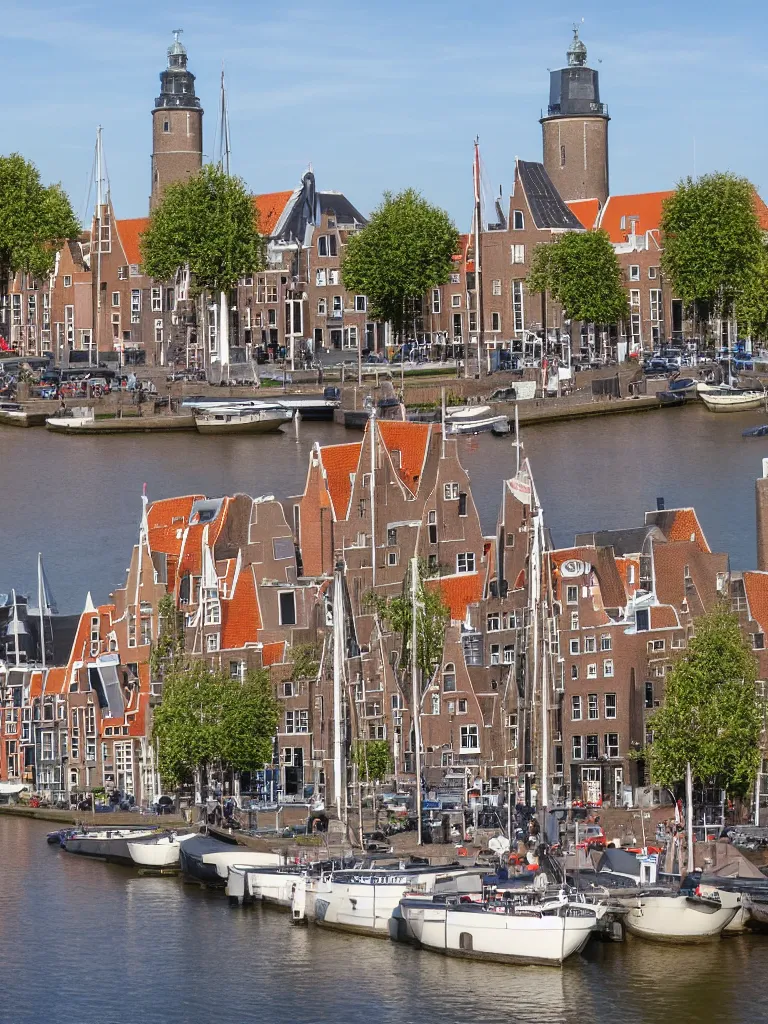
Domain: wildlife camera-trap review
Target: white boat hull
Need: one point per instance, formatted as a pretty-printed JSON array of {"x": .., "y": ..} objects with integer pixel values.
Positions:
[
  {"x": 366, "y": 907},
  {"x": 161, "y": 854},
  {"x": 733, "y": 402},
  {"x": 238, "y": 421},
  {"x": 488, "y": 934},
  {"x": 276, "y": 887},
  {"x": 242, "y": 858},
  {"x": 677, "y": 918}
]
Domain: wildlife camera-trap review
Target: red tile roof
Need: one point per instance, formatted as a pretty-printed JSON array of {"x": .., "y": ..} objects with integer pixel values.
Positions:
[
  {"x": 162, "y": 528},
  {"x": 55, "y": 680},
  {"x": 240, "y": 616},
  {"x": 664, "y": 617},
  {"x": 622, "y": 565},
  {"x": 411, "y": 440},
  {"x": 647, "y": 206},
  {"x": 268, "y": 207},
  {"x": 458, "y": 592},
  {"x": 756, "y": 586},
  {"x": 339, "y": 461},
  {"x": 129, "y": 232},
  {"x": 586, "y": 210},
  {"x": 686, "y": 527},
  {"x": 273, "y": 654}
]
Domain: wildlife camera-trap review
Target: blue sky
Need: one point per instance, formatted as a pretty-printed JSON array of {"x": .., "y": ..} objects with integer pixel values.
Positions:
[{"x": 382, "y": 96}]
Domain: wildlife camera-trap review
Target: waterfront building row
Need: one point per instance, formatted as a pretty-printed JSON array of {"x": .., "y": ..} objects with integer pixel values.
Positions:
[
  {"x": 98, "y": 300},
  {"x": 553, "y": 659}
]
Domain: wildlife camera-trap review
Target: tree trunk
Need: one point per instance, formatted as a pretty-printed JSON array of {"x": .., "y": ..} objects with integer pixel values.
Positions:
[{"x": 224, "y": 331}]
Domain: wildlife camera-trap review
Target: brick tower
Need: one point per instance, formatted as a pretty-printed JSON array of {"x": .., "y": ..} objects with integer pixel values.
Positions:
[
  {"x": 177, "y": 124},
  {"x": 575, "y": 130}
]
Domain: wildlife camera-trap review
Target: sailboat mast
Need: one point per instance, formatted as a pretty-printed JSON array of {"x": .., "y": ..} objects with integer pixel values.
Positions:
[
  {"x": 15, "y": 627},
  {"x": 96, "y": 335},
  {"x": 478, "y": 218},
  {"x": 415, "y": 695},
  {"x": 41, "y": 604},
  {"x": 338, "y": 668}
]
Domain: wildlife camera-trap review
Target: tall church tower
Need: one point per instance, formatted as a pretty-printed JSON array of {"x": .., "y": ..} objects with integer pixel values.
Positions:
[
  {"x": 575, "y": 130},
  {"x": 177, "y": 124}
]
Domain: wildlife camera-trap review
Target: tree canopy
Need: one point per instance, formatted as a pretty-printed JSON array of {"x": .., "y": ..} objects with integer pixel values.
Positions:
[
  {"x": 206, "y": 719},
  {"x": 432, "y": 617},
  {"x": 35, "y": 219},
  {"x": 405, "y": 250},
  {"x": 710, "y": 716},
  {"x": 712, "y": 241},
  {"x": 208, "y": 222},
  {"x": 373, "y": 759},
  {"x": 581, "y": 271}
]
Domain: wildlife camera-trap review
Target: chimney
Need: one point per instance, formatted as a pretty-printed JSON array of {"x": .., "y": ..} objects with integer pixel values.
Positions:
[{"x": 761, "y": 515}]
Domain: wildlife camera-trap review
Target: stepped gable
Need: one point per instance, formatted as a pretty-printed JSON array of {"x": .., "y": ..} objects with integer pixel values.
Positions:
[
  {"x": 240, "y": 613},
  {"x": 412, "y": 441},
  {"x": 679, "y": 524},
  {"x": 340, "y": 461},
  {"x": 547, "y": 208},
  {"x": 458, "y": 592}
]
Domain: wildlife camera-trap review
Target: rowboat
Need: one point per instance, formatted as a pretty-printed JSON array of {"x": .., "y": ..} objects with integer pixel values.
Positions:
[{"x": 158, "y": 851}]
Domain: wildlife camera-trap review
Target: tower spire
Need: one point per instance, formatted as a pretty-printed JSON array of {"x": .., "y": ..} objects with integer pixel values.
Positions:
[{"x": 577, "y": 51}]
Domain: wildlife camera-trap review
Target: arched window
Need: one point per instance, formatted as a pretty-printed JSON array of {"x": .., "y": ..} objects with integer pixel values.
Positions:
[
  {"x": 449, "y": 677},
  {"x": 184, "y": 589}
]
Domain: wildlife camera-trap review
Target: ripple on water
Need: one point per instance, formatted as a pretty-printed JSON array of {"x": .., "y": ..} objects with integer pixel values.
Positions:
[{"x": 83, "y": 942}]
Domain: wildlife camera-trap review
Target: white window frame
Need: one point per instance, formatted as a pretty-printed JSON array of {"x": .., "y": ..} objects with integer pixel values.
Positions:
[
  {"x": 576, "y": 709},
  {"x": 608, "y": 668},
  {"x": 611, "y": 709},
  {"x": 466, "y": 559},
  {"x": 469, "y": 738}
]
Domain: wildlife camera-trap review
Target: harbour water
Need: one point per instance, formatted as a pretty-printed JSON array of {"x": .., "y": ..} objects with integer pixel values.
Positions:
[
  {"x": 83, "y": 942},
  {"x": 78, "y": 500}
]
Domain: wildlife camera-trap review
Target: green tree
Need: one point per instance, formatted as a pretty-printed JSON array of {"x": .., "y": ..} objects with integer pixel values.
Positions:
[
  {"x": 208, "y": 223},
  {"x": 712, "y": 241},
  {"x": 710, "y": 717},
  {"x": 35, "y": 220},
  {"x": 373, "y": 758},
  {"x": 581, "y": 271},
  {"x": 751, "y": 305},
  {"x": 405, "y": 250},
  {"x": 208, "y": 720},
  {"x": 168, "y": 650},
  {"x": 432, "y": 617}
]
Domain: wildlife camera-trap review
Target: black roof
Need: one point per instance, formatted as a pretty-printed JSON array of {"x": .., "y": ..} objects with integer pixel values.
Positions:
[
  {"x": 623, "y": 542},
  {"x": 547, "y": 208}
]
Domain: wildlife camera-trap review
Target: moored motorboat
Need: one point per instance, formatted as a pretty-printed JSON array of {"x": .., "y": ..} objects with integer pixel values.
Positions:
[
  {"x": 683, "y": 385},
  {"x": 726, "y": 398},
  {"x": 672, "y": 398},
  {"x": 363, "y": 901},
  {"x": 679, "y": 917},
  {"x": 232, "y": 419},
  {"x": 158, "y": 851},
  {"x": 756, "y": 431},
  {"x": 274, "y": 885},
  {"x": 208, "y": 860},
  {"x": 474, "y": 419},
  {"x": 526, "y": 929},
  {"x": 107, "y": 844}
]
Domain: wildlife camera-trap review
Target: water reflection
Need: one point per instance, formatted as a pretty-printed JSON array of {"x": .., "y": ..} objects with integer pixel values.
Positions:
[{"x": 83, "y": 942}]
